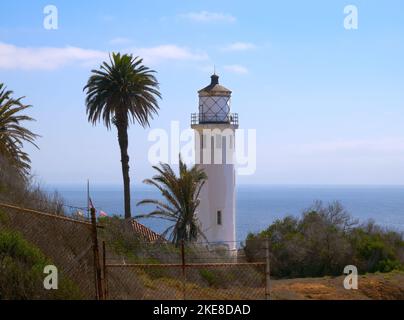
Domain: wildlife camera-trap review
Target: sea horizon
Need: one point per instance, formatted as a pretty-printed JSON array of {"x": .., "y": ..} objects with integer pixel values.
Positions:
[
  {"x": 258, "y": 205},
  {"x": 66, "y": 185}
]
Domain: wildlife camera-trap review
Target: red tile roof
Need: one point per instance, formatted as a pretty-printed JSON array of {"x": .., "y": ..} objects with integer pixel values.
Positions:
[{"x": 146, "y": 233}]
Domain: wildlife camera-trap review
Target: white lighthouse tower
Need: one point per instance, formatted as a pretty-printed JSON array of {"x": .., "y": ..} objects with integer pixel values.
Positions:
[{"x": 215, "y": 127}]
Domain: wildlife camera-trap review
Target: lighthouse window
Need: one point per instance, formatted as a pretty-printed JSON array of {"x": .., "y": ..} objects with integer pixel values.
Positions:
[{"x": 219, "y": 217}]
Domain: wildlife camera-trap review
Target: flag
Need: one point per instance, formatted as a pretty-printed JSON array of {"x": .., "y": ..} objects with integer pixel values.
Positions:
[{"x": 102, "y": 214}]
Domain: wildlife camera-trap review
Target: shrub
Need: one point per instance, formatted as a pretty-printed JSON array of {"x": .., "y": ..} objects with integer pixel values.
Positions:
[
  {"x": 225, "y": 278},
  {"x": 376, "y": 249},
  {"x": 208, "y": 276},
  {"x": 21, "y": 272},
  {"x": 323, "y": 241}
]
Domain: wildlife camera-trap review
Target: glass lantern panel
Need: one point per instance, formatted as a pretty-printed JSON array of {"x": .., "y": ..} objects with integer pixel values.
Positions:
[{"x": 214, "y": 108}]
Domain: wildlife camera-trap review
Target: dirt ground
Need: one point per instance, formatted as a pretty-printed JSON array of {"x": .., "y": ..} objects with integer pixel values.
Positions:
[{"x": 388, "y": 286}]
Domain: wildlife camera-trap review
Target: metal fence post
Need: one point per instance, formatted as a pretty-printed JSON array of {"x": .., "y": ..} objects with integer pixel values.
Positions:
[
  {"x": 97, "y": 267},
  {"x": 183, "y": 269},
  {"x": 267, "y": 271},
  {"x": 104, "y": 269}
]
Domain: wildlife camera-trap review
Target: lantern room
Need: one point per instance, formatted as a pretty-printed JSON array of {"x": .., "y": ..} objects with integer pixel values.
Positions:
[{"x": 214, "y": 103}]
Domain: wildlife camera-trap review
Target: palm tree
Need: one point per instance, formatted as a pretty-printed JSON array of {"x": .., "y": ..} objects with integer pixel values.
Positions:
[
  {"x": 122, "y": 92},
  {"x": 12, "y": 133},
  {"x": 182, "y": 200}
]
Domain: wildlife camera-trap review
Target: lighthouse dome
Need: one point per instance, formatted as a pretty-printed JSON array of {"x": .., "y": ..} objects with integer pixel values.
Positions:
[{"x": 214, "y": 102}]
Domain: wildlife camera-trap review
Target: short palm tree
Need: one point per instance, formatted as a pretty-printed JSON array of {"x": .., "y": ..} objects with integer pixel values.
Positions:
[
  {"x": 12, "y": 133},
  {"x": 122, "y": 92},
  {"x": 182, "y": 200}
]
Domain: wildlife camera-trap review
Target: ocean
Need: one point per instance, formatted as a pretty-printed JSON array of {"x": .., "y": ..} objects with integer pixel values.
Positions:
[{"x": 259, "y": 205}]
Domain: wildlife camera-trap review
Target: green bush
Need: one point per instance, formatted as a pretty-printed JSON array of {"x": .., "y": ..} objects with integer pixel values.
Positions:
[
  {"x": 323, "y": 241},
  {"x": 208, "y": 276},
  {"x": 377, "y": 250},
  {"x": 21, "y": 271}
]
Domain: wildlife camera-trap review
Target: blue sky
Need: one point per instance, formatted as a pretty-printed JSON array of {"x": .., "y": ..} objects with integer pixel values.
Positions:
[{"x": 327, "y": 103}]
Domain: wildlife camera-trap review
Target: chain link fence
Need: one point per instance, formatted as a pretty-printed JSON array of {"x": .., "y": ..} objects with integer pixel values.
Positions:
[
  {"x": 198, "y": 271},
  {"x": 109, "y": 259},
  {"x": 30, "y": 240}
]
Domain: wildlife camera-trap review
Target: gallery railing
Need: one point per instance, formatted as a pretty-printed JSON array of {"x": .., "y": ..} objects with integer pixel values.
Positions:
[{"x": 202, "y": 118}]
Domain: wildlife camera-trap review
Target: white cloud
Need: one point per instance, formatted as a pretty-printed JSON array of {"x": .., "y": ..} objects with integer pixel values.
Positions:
[
  {"x": 239, "y": 46},
  {"x": 205, "y": 16},
  {"x": 236, "y": 68},
  {"x": 119, "y": 41},
  {"x": 168, "y": 52},
  {"x": 46, "y": 58},
  {"x": 51, "y": 58}
]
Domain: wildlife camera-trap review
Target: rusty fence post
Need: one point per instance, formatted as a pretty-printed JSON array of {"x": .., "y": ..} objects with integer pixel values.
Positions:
[
  {"x": 183, "y": 269},
  {"x": 104, "y": 269},
  {"x": 97, "y": 267},
  {"x": 267, "y": 271}
]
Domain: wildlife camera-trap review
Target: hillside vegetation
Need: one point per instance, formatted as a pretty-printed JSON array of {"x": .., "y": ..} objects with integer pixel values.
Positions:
[
  {"x": 323, "y": 241},
  {"x": 29, "y": 242}
]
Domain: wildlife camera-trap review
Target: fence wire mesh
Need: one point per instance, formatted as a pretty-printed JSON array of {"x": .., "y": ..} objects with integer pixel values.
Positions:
[
  {"x": 30, "y": 240},
  {"x": 123, "y": 265},
  {"x": 199, "y": 271}
]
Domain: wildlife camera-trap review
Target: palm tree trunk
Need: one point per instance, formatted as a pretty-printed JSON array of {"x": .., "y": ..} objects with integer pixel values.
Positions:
[{"x": 123, "y": 144}]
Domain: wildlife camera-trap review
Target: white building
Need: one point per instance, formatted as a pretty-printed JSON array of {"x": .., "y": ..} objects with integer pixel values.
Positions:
[{"x": 215, "y": 127}]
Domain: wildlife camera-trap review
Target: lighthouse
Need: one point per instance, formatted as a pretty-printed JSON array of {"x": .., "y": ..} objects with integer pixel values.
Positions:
[{"x": 215, "y": 127}]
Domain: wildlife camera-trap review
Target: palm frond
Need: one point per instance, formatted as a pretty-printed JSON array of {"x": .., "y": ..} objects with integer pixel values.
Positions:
[
  {"x": 123, "y": 90},
  {"x": 181, "y": 193},
  {"x": 13, "y": 134}
]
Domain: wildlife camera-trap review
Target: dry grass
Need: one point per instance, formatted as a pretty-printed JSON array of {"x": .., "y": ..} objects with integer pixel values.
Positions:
[
  {"x": 389, "y": 286},
  {"x": 69, "y": 246}
]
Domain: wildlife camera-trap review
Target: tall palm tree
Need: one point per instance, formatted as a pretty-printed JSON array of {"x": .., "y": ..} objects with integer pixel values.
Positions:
[
  {"x": 182, "y": 200},
  {"x": 12, "y": 133},
  {"x": 121, "y": 92}
]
